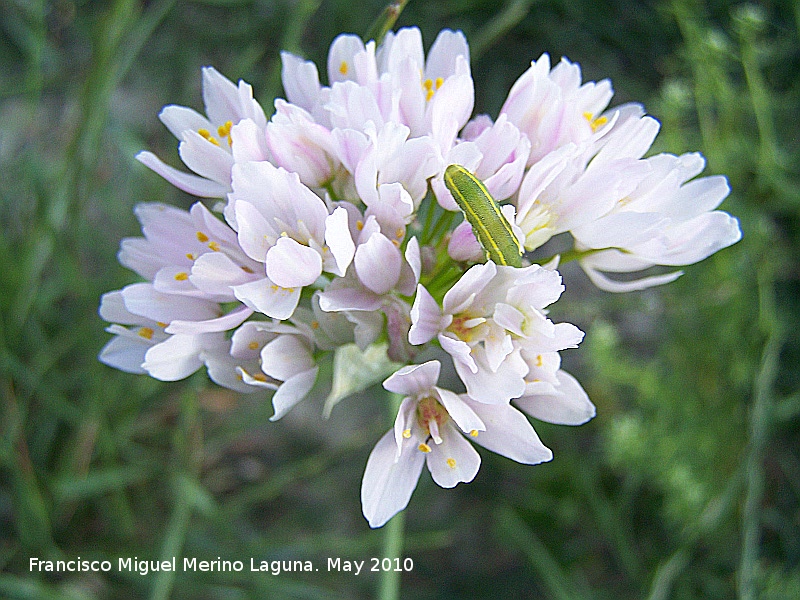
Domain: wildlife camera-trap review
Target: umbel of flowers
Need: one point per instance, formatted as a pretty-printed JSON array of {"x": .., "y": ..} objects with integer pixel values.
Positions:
[{"x": 334, "y": 228}]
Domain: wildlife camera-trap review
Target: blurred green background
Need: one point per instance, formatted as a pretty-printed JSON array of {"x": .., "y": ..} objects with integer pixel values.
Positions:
[{"x": 684, "y": 486}]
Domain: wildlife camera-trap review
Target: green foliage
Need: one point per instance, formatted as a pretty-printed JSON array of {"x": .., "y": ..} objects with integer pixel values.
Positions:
[{"x": 686, "y": 484}]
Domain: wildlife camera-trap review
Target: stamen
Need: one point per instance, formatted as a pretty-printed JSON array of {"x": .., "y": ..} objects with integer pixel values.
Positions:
[
  {"x": 247, "y": 269},
  {"x": 224, "y": 131},
  {"x": 406, "y": 433},
  {"x": 451, "y": 462},
  {"x": 343, "y": 68},
  {"x": 182, "y": 276},
  {"x": 214, "y": 246},
  {"x": 146, "y": 333},
  {"x": 473, "y": 433},
  {"x": 539, "y": 361},
  {"x": 206, "y": 134},
  {"x": 253, "y": 345},
  {"x": 595, "y": 123},
  {"x": 424, "y": 448},
  {"x": 202, "y": 237}
]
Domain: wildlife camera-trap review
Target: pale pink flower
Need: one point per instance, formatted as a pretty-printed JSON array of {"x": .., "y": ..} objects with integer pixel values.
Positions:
[
  {"x": 284, "y": 225},
  {"x": 209, "y": 144},
  {"x": 553, "y": 108}
]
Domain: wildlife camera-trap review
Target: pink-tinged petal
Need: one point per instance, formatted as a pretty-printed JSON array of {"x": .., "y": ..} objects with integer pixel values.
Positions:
[
  {"x": 175, "y": 358},
  {"x": 461, "y": 412},
  {"x": 267, "y": 298},
  {"x": 509, "y": 318},
  {"x": 397, "y": 48},
  {"x": 191, "y": 184},
  {"x": 223, "y": 369},
  {"x": 224, "y": 323},
  {"x": 389, "y": 481},
  {"x": 460, "y": 351},
  {"x": 472, "y": 283},
  {"x": 205, "y": 158},
  {"x": 256, "y": 234},
  {"x": 496, "y": 387},
  {"x": 340, "y": 57},
  {"x": 426, "y": 318},
  {"x": 446, "y": 48},
  {"x": 569, "y": 405},
  {"x": 338, "y": 239},
  {"x": 454, "y": 460},
  {"x": 699, "y": 238},
  {"x": 414, "y": 258},
  {"x": 463, "y": 245},
  {"x": 112, "y": 309},
  {"x": 509, "y": 434},
  {"x": 142, "y": 299},
  {"x": 292, "y": 391},
  {"x": 378, "y": 263},
  {"x": 349, "y": 298},
  {"x": 248, "y": 142},
  {"x": 216, "y": 274},
  {"x": 220, "y": 96},
  {"x": 406, "y": 424},
  {"x": 125, "y": 353},
  {"x": 497, "y": 344},
  {"x": 291, "y": 264},
  {"x": 181, "y": 118},
  {"x": 620, "y": 230},
  {"x": 300, "y": 81},
  {"x": 286, "y": 356},
  {"x": 175, "y": 281},
  {"x": 414, "y": 379},
  {"x": 607, "y": 284}
]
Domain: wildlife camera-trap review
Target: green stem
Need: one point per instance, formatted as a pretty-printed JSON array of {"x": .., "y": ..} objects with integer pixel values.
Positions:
[
  {"x": 394, "y": 536},
  {"x": 385, "y": 21}
]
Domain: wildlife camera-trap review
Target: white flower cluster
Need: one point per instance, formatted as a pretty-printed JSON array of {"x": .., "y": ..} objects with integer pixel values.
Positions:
[{"x": 331, "y": 236}]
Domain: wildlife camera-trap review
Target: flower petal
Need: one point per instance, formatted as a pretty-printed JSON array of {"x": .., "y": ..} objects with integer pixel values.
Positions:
[
  {"x": 290, "y": 264},
  {"x": 454, "y": 460},
  {"x": 389, "y": 481}
]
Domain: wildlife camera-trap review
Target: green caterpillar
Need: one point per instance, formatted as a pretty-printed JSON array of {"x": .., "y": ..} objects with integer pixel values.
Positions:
[{"x": 481, "y": 211}]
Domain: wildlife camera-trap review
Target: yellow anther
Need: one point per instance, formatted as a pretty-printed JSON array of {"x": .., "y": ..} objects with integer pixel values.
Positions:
[
  {"x": 359, "y": 225},
  {"x": 343, "y": 68},
  {"x": 424, "y": 448},
  {"x": 224, "y": 131},
  {"x": 190, "y": 256},
  {"x": 473, "y": 433},
  {"x": 161, "y": 324},
  {"x": 429, "y": 95},
  {"x": 427, "y": 84},
  {"x": 182, "y": 276},
  {"x": 214, "y": 246},
  {"x": 202, "y": 237},
  {"x": 595, "y": 123},
  {"x": 206, "y": 134},
  {"x": 247, "y": 269},
  {"x": 539, "y": 361},
  {"x": 439, "y": 82},
  {"x": 253, "y": 345},
  {"x": 451, "y": 462},
  {"x": 146, "y": 333},
  {"x": 314, "y": 324},
  {"x": 406, "y": 433},
  {"x": 399, "y": 233},
  {"x": 260, "y": 377}
]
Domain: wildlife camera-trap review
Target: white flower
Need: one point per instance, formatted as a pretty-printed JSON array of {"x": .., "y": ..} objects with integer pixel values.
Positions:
[
  {"x": 486, "y": 321},
  {"x": 430, "y": 428},
  {"x": 666, "y": 220},
  {"x": 209, "y": 145}
]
